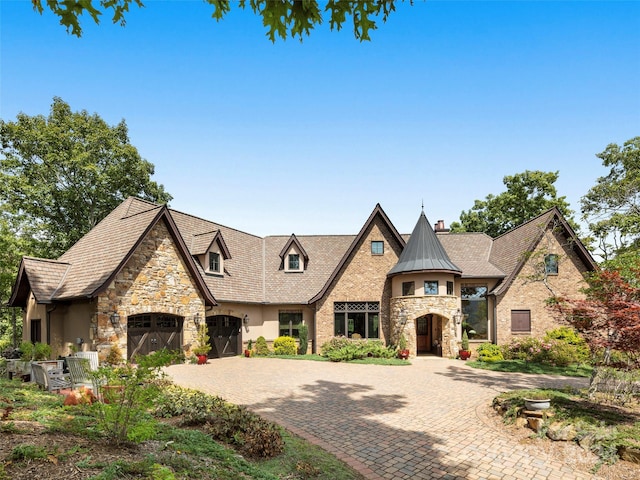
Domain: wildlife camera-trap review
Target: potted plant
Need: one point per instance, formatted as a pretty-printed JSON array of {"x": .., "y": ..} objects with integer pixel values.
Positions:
[
  {"x": 202, "y": 348},
  {"x": 537, "y": 401},
  {"x": 403, "y": 351},
  {"x": 247, "y": 351},
  {"x": 464, "y": 350}
]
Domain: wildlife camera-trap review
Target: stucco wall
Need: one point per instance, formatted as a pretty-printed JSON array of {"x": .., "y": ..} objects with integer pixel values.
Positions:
[
  {"x": 528, "y": 290},
  {"x": 155, "y": 279},
  {"x": 364, "y": 278}
]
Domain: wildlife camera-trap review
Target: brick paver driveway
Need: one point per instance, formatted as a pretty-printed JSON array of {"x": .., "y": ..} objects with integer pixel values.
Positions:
[{"x": 420, "y": 421}]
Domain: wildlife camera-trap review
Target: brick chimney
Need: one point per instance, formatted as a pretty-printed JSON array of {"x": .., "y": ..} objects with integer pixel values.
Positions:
[{"x": 439, "y": 227}]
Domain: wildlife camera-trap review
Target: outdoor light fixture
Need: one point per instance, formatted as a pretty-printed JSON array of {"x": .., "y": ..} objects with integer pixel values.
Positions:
[
  {"x": 79, "y": 341},
  {"x": 403, "y": 316},
  {"x": 245, "y": 320},
  {"x": 196, "y": 319},
  {"x": 115, "y": 319},
  {"x": 458, "y": 317}
]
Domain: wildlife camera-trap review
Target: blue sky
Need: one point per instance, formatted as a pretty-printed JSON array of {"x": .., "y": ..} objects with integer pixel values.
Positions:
[{"x": 306, "y": 138}]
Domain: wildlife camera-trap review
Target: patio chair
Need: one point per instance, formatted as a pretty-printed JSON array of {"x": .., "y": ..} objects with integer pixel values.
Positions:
[
  {"x": 80, "y": 371},
  {"x": 49, "y": 379},
  {"x": 92, "y": 357}
]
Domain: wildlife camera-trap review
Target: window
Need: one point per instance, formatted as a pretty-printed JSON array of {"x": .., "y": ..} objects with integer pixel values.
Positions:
[
  {"x": 294, "y": 261},
  {"x": 475, "y": 307},
  {"x": 36, "y": 330},
  {"x": 449, "y": 288},
  {"x": 214, "y": 262},
  {"x": 377, "y": 247},
  {"x": 356, "y": 318},
  {"x": 290, "y": 321},
  {"x": 408, "y": 288},
  {"x": 431, "y": 287},
  {"x": 521, "y": 321},
  {"x": 551, "y": 264}
]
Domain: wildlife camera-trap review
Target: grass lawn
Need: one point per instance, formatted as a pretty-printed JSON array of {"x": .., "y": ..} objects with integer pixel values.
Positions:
[{"x": 577, "y": 370}]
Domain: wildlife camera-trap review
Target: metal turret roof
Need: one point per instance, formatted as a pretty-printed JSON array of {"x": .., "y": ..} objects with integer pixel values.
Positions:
[{"x": 424, "y": 252}]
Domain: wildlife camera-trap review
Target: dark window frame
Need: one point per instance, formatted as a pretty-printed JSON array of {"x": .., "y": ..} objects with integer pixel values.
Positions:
[
  {"x": 408, "y": 289},
  {"x": 290, "y": 320},
  {"x": 293, "y": 262},
  {"x": 347, "y": 316},
  {"x": 214, "y": 262},
  {"x": 432, "y": 282},
  {"x": 450, "y": 288},
  {"x": 551, "y": 264},
  {"x": 377, "y": 247},
  {"x": 476, "y": 306}
]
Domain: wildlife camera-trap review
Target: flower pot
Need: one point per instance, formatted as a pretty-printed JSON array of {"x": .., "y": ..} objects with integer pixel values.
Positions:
[
  {"x": 537, "y": 404},
  {"x": 403, "y": 354},
  {"x": 247, "y": 353},
  {"x": 464, "y": 354},
  {"x": 202, "y": 359}
]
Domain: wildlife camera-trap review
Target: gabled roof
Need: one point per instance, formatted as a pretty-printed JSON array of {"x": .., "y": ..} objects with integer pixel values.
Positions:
[
  {"x": 40, "y": 276},
  {"x": 201, "y": 243},
  {"x": 424, "y": 252},
  {"x": 293, "y": 240},
  {"x": 95, "y": 260},
  {"x": 509, "y": 249},
  {"x": 470, "y": 251},
  {"x": 377, "y": 212}
]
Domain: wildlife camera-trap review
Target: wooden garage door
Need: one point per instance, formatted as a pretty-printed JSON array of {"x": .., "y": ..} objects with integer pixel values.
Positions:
[
  {"x": 223, "y": 335},
  {"x": 154, "y": 331}
]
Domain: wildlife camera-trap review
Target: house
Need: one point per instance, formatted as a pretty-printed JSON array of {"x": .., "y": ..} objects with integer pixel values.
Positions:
[{"x": 146, "y": 276}]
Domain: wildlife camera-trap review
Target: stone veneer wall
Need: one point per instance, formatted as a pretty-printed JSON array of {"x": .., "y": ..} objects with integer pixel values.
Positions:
[
  {"x": 444, "y": 306},
  {"x": 528, "y": 292},
  {"x": 155, "y": 279},
  {"x": 363, "y": 279}
]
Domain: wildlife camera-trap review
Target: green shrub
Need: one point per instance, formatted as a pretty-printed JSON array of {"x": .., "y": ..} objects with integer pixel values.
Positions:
[
  {"x": 568, "y": 336},
  {"x": 262, "y": 348},
  {"x": 303, "y": 333},
  {"x": 194, "y": 407},
  {"x": 342, "y": 349},
  {"x": 285, "y": 346},
  {"x": 488, "y": 352}
]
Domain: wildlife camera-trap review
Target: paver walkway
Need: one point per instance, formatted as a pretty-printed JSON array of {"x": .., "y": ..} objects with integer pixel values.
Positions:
[{"x": 422, "y": 421}]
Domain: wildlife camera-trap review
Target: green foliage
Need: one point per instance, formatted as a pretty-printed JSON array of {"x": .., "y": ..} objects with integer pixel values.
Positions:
[
  {"x": 262, "y": 349},
  {"x": 612, "y": 206},
  {"x": 561, "y": 348},
  {"x": 114, "y": 357},
  {"x": 528, "y": 194},
  {"x": 28, "y": 452},
  {"x": 402, "y": 342},
  {"x": 194, "y": 407},
  {"x": 202, "y": 340},
  {"x": 465, "y": 341},
  {"x": 124, "y": 414},
  {"x": 61, "y": 174},
  {"x": 285, "y": 346},
  {"x": 281, "y": 19},
  {"x": 342, "y": 349},
  {"x": 303, "y": 337},
  {"x": 489, "y": 352}
]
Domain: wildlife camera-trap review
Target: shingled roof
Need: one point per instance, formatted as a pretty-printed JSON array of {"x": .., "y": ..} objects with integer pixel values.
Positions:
[
  {"x": 509, "y": 249},
  {"x": 424, "y": 252}
]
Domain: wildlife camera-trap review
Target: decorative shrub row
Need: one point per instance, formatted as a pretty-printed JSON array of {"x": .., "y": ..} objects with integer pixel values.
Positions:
[
  {"x": 560, "y": 347},
  {"x": 342, "y": 349},
  {"x": 249, "y": 433}
]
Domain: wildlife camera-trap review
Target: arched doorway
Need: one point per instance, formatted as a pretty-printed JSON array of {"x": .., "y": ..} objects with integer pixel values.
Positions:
[
  {"x": 429, "y": 335},
  {"x": 153, "y": 331},
  {"x": 223, "y": 335}
]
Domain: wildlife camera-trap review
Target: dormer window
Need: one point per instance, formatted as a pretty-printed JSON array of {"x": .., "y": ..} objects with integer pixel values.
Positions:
[
  {"x": 214, "y": 262},
  {"x": 294, "y": 261}
]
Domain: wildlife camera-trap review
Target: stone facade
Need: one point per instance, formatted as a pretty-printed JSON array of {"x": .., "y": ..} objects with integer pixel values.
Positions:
[
  {"x": 363, "y": 279},
  {"x": 529, "y": 292},
  {"x": 155, "y": 279},
  {"x": 442, "y": 307}
]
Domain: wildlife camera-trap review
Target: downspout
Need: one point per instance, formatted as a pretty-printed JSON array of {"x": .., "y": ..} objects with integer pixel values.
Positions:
[
  {"x": 494, "y": 323},
  {"x": 48, "y": 323}
]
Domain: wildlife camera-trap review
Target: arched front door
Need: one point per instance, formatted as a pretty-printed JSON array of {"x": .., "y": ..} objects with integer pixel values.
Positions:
[
  {"x": 424, "y": 331},
  {"x": 223, "y": 334}
]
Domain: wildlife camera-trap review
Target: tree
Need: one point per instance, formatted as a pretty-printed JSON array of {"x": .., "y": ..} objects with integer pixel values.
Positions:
[
  {"x": 62, "y": 174},
  {"x": 612, "y": 206},
  {"x": 282, "y": 18},
  {"x": 609, "y": 317},
  {"x": 528, "y": 194}
]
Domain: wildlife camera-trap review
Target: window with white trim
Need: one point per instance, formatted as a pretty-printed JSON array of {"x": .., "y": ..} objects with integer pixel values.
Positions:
[{"x": 214, "y": 262}]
